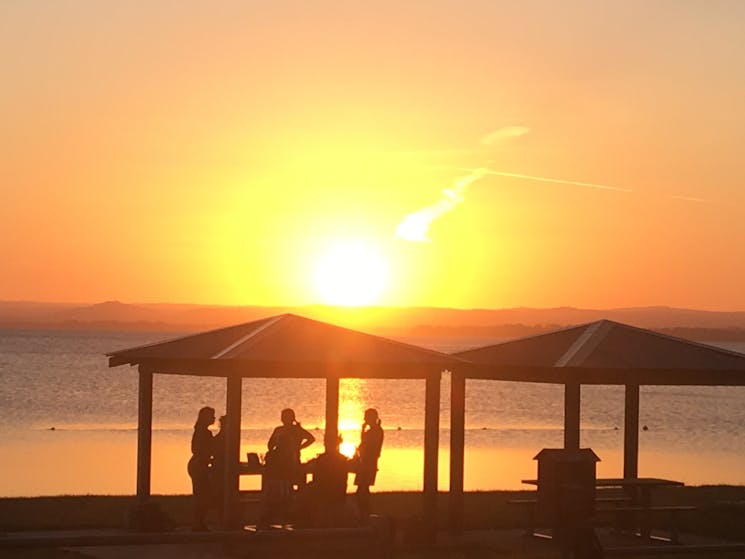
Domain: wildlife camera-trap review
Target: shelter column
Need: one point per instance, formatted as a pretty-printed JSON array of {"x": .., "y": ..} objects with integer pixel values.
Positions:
[
  {"x": 231, "y": 512},
  {"x": 571, "y": 415},
  {"x": 457, "y": 450},
  {"x": 631, "y": 432},
  {"x": 332, "y": 413},
  {"x": 431, "y": 439},
  {"x": 144, "y": 434}
]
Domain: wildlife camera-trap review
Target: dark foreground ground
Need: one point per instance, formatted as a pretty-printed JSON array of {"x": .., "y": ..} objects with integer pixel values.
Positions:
[{"x": 493, "y": 526}]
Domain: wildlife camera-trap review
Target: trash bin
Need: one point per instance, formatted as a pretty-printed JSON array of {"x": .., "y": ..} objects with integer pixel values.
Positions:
[{"x": 566, "y": 486}]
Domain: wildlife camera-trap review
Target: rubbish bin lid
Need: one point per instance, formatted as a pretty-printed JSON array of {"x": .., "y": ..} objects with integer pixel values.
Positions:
[{"x": 567, "y": 455}]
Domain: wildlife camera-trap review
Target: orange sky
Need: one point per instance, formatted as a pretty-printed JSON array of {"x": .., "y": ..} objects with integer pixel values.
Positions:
[{"x": 212, "y": 152}]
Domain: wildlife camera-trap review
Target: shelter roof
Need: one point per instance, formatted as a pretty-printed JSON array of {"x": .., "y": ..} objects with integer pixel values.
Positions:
[
  {"x": 607, "y": 352},
  {"x": 286, "y": 345}
]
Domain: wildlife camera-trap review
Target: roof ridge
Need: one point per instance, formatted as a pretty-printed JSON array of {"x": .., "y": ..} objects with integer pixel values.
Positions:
[
  {"x": 587, "y": 342},
  {"x": 267, "y": 324}
]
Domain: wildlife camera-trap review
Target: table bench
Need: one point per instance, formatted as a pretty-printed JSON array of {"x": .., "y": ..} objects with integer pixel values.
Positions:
[
  {"x": 644, "y": 519},
  {"x": 529, "y": 506}
]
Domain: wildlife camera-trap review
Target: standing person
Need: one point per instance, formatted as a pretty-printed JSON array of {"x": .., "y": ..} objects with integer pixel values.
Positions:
[
  {"x": 368, "y": 452},
  {"x": 283, "y": 464},
  {"x": 200, "y": 465}
]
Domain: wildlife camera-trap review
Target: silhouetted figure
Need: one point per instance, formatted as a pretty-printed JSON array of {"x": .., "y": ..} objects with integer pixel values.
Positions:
[
  {"x": 368, "y": 452},
  {"x": 200, "y": 465},
  {"x": 283, "y": 465},
  {"x": 324, "y": 498},
  {"x": 219, "y": 452}
]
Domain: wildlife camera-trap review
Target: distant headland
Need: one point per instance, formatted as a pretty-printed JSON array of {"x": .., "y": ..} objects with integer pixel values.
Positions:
[{"x": 390, "y": 321}]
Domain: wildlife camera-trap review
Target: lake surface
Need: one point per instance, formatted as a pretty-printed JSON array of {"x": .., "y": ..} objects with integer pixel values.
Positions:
[{"x": 68, "y": 422}]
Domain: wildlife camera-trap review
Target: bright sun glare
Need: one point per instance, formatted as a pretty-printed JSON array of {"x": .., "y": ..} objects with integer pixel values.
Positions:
[
  {"x": 351, "y": 273},
  {"x": 347, "y": 449}
]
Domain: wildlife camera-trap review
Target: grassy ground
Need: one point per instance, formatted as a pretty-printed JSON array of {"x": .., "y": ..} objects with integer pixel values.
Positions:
[{"x": 721, "y": 514}]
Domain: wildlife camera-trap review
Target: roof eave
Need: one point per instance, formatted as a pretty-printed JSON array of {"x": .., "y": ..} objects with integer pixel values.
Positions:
[
  {"x": 605, "y": 376},
  {"x": 291, "y": 369}
]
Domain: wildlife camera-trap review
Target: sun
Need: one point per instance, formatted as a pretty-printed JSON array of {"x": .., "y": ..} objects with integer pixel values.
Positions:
[{"x": 351, "y": 273}]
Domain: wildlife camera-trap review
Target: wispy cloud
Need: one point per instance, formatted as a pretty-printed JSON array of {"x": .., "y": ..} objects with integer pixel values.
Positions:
[
  {"x": 688, "y": 198},
  {"x": 415, "y": 226},
  {"x": 505, "y": 133}
]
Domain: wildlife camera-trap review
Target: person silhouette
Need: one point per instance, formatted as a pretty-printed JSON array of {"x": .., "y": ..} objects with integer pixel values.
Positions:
[
  {"x": 283, "y": 464},
  {"x": 199, "y": 466},
  {"x": 367, "y": 454}
]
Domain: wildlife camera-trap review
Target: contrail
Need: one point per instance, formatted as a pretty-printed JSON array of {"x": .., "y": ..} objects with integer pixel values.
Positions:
[{"x": 556, "y": 181}]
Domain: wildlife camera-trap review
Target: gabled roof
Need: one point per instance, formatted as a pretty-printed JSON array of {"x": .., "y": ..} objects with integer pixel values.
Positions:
[
  {"x": 286, "y": 345},
  {"x": 607, "y": 352}
]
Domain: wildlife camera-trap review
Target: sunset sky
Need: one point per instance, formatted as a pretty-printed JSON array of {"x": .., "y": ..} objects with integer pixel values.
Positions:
[{"x": 584, "y": 153}]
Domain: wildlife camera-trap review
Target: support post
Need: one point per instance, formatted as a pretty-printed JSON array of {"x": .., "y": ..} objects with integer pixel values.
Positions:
[
  {"x": 631, "y": 432},
  {"x": 457, "y": 450},
  {"x": 332, "y": 413},
  {"x": 231, "y": 508},
  {"x": 431, "y": 439},
  {"x": 144, "y": 435},
  {"x": 571, "y": 415}
]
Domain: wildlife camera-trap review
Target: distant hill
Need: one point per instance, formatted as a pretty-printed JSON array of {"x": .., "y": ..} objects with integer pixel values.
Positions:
[
  {"x": 31, "y": 310},
  {"x": 109, "y": 311},
  {"x": 383, "y": 320},
  {"x": 509, "y": 331}
]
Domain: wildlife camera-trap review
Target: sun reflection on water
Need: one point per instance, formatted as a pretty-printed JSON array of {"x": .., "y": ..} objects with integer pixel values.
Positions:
[{"x": 352, "y": 406}]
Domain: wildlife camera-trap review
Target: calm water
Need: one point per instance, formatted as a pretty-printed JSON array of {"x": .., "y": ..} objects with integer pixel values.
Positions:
[{"x": 60, "y": 379}]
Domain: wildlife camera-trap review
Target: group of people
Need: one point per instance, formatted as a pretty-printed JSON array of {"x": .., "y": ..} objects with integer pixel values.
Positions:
[{"x": 322, "y": 499}]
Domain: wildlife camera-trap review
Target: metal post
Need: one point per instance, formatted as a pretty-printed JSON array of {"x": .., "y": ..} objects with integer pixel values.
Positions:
[
  {"x": 571, "y": 415},
  {"x": 431, "y": 439},
  {"x": 631, "y": 432},
  {"x": 144, "y": 434},
  {"x": 457, "y": 450},
  {"x": 332, "y": 413},
  {"x": 231, "y": 512}
]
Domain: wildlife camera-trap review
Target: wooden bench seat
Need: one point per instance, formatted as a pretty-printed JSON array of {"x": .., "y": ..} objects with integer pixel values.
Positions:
[
  {"x": 643, "y": 521},
  {"x": 657, "y": 508},
  {"x": 529, "y": 505},
  {"x": 598, "y": 500}
]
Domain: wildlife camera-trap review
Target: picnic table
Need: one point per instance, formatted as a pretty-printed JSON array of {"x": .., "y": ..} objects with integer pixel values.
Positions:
[
  {"x": 635, "y": 515},
  {"x": 638, "y": 488}
]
